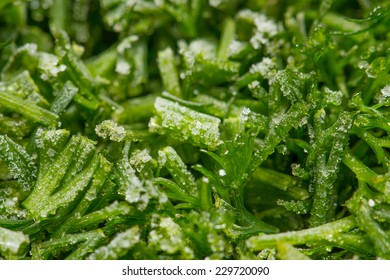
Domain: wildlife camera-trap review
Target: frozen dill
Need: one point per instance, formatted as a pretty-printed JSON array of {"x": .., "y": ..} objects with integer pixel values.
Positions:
[{"x": 194, "y": 129}]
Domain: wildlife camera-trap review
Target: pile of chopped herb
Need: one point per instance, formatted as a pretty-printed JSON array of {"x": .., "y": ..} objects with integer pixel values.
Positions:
[{"x": 194, "y": 129}]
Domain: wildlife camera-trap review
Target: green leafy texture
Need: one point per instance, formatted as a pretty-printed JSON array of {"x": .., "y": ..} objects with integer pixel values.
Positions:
[
  {"x": 326, "y": 170},
  {"x": 15, "y": 126},
  {"x": 62, "y": 181},
  {"x": 291, "y": 185},
  {"x": 187, "y": 14},
  {"x": 54, "y": 247},
  {"x": 29, "y": 110},
  {"x": 202, "y": 67},
  {"x": 207, "y": 232},
  {"x": 194, "y": 129},
  {"x": 185, "y": 124},
  {"x": 118, "y": 247},
  {"x": 77, "y": 219},
  {"x": 278, "y": 131},
  {"x": 93, "y": 219},
  {"x": 325, "y": 232},
  {"x": 20, "y": 95},
  {"x": 77, "y": 71},
  {"x": 226, "y": 39},
  {"x": 63, "y": 98},
  {"x": 18, "y": 160},
  {"x": 288, "y": 252},
  {"x": 135, "y": 189},
  {"x": 169, "y": 158},
  {"x": 185, "y": 188},
  {"x": 12, "y": 193},
  {"x": 166, "y": 236},
  {"x": 367, "y": 223},
  {"x": 168, "y": 72}
]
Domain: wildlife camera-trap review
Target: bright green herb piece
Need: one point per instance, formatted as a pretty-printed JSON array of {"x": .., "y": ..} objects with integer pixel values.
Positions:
[
  {"x": 317, "y": 234},
  {"x": 170, "y": 159},
  {"x": 28, "y": 109},
  {"x": 19, "y": 162},
  {"x": 278, "y": 131},
  {"x": 282, "y": 181},
  {"x": 50, "y": 248},
  {"x": 168, "y": 72},
  {"x": 49, "y": 194},
  {"x": 326, "y": 171},
  {"x": 185, "y": 124},
  {"x": 63, "y": 98},
  {"x": 177, "y": 129},
  {"x": 228, "y": 33},
  {"x": 289, "y": 252},
  {"x": 118, "y": 247},
  {"x": 77, "y": 71}
]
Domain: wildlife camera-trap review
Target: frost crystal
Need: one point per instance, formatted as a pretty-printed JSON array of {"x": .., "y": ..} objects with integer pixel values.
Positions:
[
  {"x": 139, "y": 159},
  {"x": 297, "y": 170},
  {"x": 216, "y": 3},
  {"x": 126, "y": 43},
  {"x": 12, "y": 243},
  {"x": 235, "y": 47},
  {"x": 246, "y": 111},
  {"x": 265, "y": 68},
  {"x": 245, "y": 114},
  {"x": 167, "y": 236},
  {"x": 135, "y": 189},
  {"x": 122, "y": 67},
  {"x": 48, "y": 63},
  {"x": 110, "y": 129},
  {"x": 254, "y": 85},
  {"x": 367, "y": 67},
  {"x": 205, "y": 48},
  {"x": 31, "y": 47},
  {"x": 385, "y": 94},
  {"x": 333, "y": 97},
  {"x": 265, "y": 28}
]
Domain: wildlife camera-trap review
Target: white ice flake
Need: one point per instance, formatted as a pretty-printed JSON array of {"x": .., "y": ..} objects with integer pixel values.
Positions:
[
  {"x": 371, "y": 202},
  {"x": 126, "y": 43},
  {"x": 205, "y": 48},
  {"x": 216, "y": 3},
  {"x": 235, "y": 47},
  {"x": 385, "y": 94},
  {"x": 333, "y": 96},
  {"x": 110, "y": 129},
  {"x": 48, "y": 64},
  {"x": 254, "y": 85},
  {"x": 265, "y": 68},
  {"x": 122, "y": 67},
  {"x": 139, "y": 159},
  {"x": 245, "y": 113},
  {"x": 11, "y": 241},
  {"x": 265, "y": 28}
]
